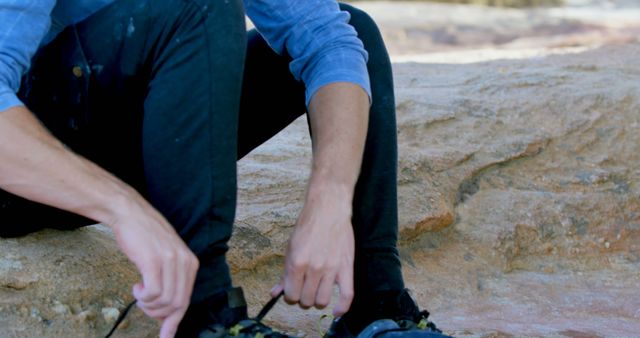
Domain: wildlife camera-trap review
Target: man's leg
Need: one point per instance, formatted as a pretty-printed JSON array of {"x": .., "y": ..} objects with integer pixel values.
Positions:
[
  {"x": 180, "y": 63},
  {"x": 150, "y": 91},
  {"x": 271, "y": 99}
]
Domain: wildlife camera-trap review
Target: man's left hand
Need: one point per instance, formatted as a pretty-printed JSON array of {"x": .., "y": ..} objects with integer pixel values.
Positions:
[{"x": 321, "y": 251}]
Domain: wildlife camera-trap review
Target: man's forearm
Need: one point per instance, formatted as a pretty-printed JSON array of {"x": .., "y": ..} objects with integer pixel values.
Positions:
[
  {"x": 321, "y": 249},
  {"x": 339, "y": 115},
  {"x": 36, "y": 166}
]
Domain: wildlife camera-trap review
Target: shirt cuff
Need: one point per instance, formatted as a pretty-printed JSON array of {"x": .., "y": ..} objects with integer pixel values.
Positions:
[
  {"x": 8, "y": 99},
  {"x": 353, "y": 70}
]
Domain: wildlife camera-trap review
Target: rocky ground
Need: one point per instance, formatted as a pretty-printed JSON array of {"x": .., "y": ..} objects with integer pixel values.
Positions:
[
  {"x": 519, "y": 196},
  {"x": 519, "y": 205},
  {"x": 446, "y": 33}
]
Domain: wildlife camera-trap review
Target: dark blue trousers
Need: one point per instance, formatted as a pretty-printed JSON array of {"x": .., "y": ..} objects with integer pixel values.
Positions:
[{"x": 168, "y": 95}]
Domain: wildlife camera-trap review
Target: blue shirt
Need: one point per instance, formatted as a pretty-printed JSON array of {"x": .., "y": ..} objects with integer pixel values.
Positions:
[{"x": 315, "y": 33}]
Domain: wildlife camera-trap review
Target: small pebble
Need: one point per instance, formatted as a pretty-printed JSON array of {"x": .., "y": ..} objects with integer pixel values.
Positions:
[
  {"x": 107, "y": 302},
  {"x": 60, "y": 308},
  {"x": 607, "y": 245},
  {"x": 35, "y": 313},
  {"x": 110, "y": 314},
  {"x": 86, "y": 316},
  {"x": 76, "y": 308},
  {"x": 125, "y": 324}
]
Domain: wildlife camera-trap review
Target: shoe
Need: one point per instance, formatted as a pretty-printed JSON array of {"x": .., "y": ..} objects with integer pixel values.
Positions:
[
  {"x": 225, "y": 315},
  {"x": 389, "y": 314},
  {"x": 247, "y": 328}
]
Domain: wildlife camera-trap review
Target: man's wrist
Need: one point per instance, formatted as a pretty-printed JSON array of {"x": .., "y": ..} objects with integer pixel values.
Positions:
[
  {"x": 327, "y": 186},
  {"x": 112, "y": 206}
]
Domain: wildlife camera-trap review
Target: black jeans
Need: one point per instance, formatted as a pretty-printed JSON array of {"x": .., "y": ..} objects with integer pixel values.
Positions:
[{"x": 168, "y": 95}]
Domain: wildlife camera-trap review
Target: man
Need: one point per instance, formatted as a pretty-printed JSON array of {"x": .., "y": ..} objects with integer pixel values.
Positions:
[{"x": 148, "y": 105}]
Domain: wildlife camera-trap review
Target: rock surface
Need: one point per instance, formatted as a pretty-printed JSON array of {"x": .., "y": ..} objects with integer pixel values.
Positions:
[
  {"x": 428, "y": 31},
  {"x": 65, "y": 284},
  {"x": 519, "y": 209},
  {"x": 519, "y": 196}
]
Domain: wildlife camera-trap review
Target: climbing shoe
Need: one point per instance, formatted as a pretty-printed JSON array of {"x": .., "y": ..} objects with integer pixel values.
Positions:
[
  {"x": 387, "y": 314},
  {"x": 222, "y": 316},
  {"x": 225, "y": 315}
]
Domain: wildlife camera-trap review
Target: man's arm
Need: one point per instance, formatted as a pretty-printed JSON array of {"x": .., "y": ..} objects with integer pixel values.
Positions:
[
  {"x": 23, "y": 24},
  {"x": 331, "y": 61},
  {"x": 34, "y": 165},
  {"x": 321, "y": 249},
  {"x": 316, "y": 34}
]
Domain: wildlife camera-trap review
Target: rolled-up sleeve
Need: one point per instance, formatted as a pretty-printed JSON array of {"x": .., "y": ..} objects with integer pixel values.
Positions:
[
  {"x": 316, "y": 34},
  {"x": 23, "y": 24}
]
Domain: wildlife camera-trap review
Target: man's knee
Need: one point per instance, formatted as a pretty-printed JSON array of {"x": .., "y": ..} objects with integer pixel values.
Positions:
[
  {"x": 371, "y": 38},
  {"x": 362, "y": 22}
]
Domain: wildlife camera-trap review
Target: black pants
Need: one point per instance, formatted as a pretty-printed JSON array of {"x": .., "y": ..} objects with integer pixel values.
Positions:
[{"x": 168, "y": 95}]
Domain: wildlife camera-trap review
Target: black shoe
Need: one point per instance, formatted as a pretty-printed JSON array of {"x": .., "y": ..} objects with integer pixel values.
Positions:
[
  {"x": 247, "y": 328},
  {"x": 225, "y": 315},
  {"x": 385, "y": 315}
]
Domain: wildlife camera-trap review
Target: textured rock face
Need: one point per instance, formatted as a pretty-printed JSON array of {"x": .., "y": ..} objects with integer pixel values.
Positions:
[
  {"x": 519, "y": 196},
  {"x": 417, "y": 30},
  {"x": 538, "y": 162},
  {"x": 519, "y": 201},
  {"x": 65, "y": 284}
]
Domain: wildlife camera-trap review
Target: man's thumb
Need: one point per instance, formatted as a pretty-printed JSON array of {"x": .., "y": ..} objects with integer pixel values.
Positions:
[{"x": 275, "y": 291}]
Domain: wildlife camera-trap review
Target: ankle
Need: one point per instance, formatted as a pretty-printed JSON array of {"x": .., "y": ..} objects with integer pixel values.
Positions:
[
  {"x": 224, "y": 308},
  {"x": 388, "y": 304}
]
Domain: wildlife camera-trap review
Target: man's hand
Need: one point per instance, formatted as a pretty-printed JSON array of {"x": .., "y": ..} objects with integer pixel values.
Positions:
[
  {"x": 167, "y": 265},
  {"x": 321, "y": 252},
  {"x": 36, "y": 166},
  {"x": 321, "y": 249}
]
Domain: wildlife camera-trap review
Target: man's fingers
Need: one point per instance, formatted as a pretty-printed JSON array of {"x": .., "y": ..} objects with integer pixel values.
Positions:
[
  {"x": 183, "y": 288},
  {"x": 276, "y": 289},
  {"x": 293, "y": 280},
  {"x": 310, "y": 288},
  {"x": 345, "y": 282},
  {"x": 173, "y": 309},
  {"x": 170, "y": 325},
  {"x": 168, "y": 290},
  {"x": 325, "y": 290},
  {"x": 151, "y": 287},
  {"x": 158, "y": 314},
  {"x": 186, "y": 280},
  {"x": 137, "y": 290}
]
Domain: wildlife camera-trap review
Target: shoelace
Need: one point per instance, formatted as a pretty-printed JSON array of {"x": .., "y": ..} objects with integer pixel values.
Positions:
[
  {"x": 265, "y": 309},
  {"x": 121, "y": 317},
  {"x": 424, "y": 323},
  {"x": 321, "y": 332}
]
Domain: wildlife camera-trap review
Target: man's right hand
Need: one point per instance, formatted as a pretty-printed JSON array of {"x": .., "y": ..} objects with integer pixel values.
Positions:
[
  {"x": 167, "y": 265},
  {"x": 36, "y": 166}
]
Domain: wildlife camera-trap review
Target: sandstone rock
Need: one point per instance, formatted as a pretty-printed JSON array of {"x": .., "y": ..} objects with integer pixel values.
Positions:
[
  {"x": 519, "y": 209},
  {"x": 519, "y": 196},
  {"x": 414, "y": 30},
  {"x": 41, "y": 274}
]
